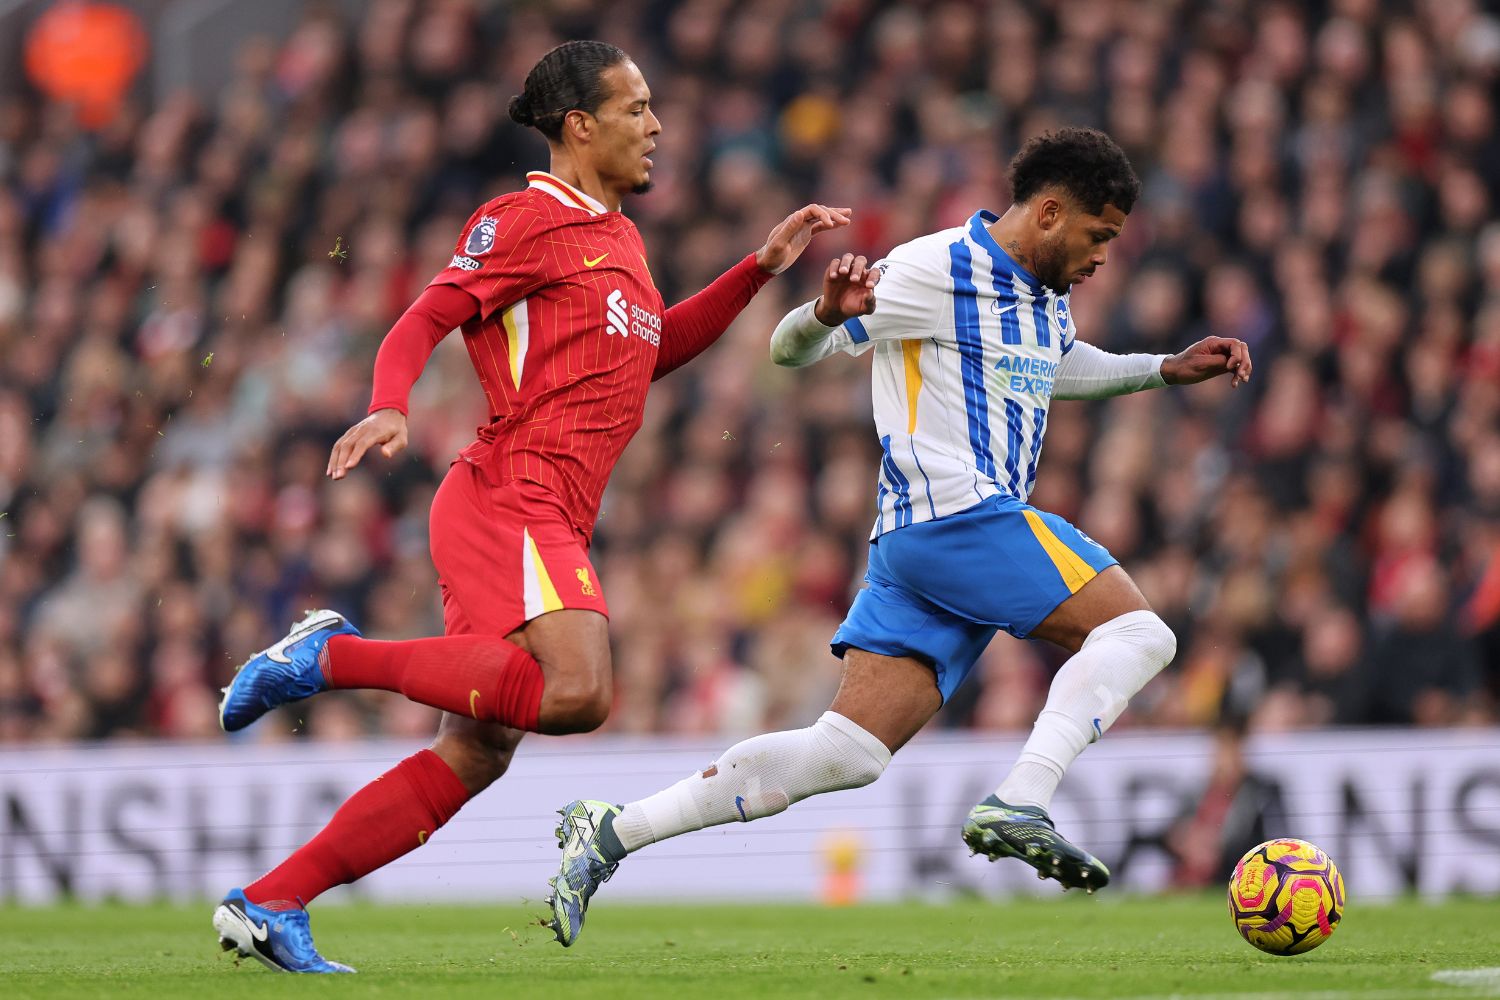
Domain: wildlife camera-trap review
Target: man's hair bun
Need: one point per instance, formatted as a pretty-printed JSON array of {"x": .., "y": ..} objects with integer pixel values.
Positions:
[{"x": 520, "y": 111}]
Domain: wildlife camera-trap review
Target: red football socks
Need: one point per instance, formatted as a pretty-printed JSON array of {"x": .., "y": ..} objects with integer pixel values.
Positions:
[
  {"x": 481, "y": 677},
  {"x": 389, "y": 817}
]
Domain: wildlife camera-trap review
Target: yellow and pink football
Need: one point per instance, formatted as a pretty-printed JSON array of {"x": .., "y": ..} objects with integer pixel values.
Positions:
[{"x": 1286, "y": 897}]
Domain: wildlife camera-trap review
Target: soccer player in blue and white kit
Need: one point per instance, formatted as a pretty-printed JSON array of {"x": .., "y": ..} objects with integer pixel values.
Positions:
[{"x": 973, "y": 339}]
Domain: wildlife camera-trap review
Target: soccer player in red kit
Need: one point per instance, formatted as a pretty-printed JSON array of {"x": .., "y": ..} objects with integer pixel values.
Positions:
[{"x": 566, "y": 331}]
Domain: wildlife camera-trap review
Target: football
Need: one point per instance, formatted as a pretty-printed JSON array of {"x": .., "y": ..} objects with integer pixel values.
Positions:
[{"x": 1286, "y": 897}]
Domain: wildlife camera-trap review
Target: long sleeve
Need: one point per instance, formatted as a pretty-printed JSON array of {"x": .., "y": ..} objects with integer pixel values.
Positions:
[
  {"x": 1086, "y": 372},
  {"x": 693, "y": 324},
  {"x": 800, "y": 339},
  {"x": 404, "y": 352}
]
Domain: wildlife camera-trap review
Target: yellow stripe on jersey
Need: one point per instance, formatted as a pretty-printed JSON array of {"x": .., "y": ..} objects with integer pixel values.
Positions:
[
  {"x": 550, "y": 600},
  {"x": 911, "y": 350},
  {"x": 517, "y": 339},
  {"x": 1070, "y": 566}
]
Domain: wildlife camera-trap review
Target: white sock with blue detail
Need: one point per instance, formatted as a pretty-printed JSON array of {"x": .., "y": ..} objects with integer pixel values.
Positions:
[
  {"x": 1087, "y": 696},
  {"x": 757, "y": 778}
]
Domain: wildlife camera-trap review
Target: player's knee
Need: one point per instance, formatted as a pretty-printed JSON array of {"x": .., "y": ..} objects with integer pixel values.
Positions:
[
  {"x": 861, "y": 768},
  {"x": 578, "y": 705},
  {"x": 1158, "y": 640},
  {"x": 853, "y": 770},
  {"x": 592, "y": 710},
  {"x": 869, "y": 770},
  {"x": 1143, "y": 630},
  {"x": 851, "y": 756}
]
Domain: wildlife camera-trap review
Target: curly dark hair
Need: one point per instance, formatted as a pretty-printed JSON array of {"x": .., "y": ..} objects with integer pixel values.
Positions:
[
  {"x": 1084, "y": 162},
  {"x": 568, "y": 78}
]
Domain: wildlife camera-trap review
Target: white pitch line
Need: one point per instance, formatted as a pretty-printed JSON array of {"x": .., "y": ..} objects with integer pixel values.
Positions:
[
  {"x": 1302, "y": 994},
  {"x": 1485, "y": 979}
]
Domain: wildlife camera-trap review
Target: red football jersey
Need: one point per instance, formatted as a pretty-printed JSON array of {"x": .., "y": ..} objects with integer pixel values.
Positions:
[{"x": 565, "y": 341}]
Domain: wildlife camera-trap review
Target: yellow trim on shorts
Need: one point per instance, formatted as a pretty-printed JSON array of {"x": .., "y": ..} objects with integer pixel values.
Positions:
[
  {"x": 1070, "y": 566},
  {"x": 550, "y": 600}
]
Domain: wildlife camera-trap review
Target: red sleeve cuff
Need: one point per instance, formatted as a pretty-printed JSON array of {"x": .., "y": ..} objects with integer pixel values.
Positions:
[{"x": 758, "y": 276}]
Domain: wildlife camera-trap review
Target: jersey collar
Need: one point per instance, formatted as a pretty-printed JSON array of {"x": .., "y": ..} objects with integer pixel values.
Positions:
[{"x": 564, "y": 192}]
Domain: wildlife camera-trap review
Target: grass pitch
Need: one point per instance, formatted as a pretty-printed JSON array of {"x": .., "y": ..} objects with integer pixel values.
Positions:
[{"x": 1068, "y": 947}]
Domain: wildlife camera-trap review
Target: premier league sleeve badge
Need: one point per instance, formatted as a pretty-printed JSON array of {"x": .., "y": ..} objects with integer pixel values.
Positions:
[{"x": 481, "y": 237}]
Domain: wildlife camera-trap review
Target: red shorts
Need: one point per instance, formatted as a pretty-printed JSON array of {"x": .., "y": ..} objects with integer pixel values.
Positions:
[{"x": 505, "y": 555}]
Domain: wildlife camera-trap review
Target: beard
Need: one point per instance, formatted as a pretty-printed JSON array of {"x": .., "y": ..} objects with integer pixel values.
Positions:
[
  {"x": 1052, "y": 266},
  {"x": 642, "y": 187}
]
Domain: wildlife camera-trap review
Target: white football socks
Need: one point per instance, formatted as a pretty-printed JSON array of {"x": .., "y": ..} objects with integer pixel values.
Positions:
[
  {"x": 759, "y": 777},
  {"x": 1087, "y": 696}
]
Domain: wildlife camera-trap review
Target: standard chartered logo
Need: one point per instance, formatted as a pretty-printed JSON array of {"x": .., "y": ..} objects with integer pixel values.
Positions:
[
  {"x": 624, "y": 318},
  {"x": 619, "y": 315}
]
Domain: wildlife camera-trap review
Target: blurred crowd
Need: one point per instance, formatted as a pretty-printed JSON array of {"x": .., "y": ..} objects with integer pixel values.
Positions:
[{"x": 191, "y": 297}]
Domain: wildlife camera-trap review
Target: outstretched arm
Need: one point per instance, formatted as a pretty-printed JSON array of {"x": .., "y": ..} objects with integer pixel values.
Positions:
[
  {"x": 1086, "y": 372},
  {"x": 402, "y": 356},
  {"x": 693, "y": 324}
]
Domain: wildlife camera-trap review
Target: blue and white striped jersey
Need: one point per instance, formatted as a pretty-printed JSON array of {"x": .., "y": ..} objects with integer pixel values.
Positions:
[{"x": 967, "y": 349}]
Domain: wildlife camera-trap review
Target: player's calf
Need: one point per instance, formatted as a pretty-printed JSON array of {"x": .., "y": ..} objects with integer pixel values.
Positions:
[
  {"x": 757, "y": 778},
  {"x": 1088, "y": 694},
  {"x": 751, "y": 780}
]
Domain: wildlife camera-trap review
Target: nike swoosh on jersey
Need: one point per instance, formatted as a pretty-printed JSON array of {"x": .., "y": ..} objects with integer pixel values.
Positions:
[{"x": 596, "y": 260}]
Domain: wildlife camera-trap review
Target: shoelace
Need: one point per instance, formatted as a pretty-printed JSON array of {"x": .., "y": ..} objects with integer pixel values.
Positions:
[
  {"x": 578, "y": 879},
  {"x": 1012, "y": 815},
  {"x": 297, "y": 932}
]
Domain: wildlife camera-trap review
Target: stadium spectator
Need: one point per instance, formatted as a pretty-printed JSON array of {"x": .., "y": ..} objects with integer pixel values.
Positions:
[{"x": 191, "y": 296}]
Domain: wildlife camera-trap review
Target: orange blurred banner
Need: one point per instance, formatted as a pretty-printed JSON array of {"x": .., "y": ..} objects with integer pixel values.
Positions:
[{"x": 86, "y": 54}]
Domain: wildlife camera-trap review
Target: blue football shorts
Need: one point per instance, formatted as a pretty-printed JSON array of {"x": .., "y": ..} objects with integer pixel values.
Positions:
[{"x": 939, "y": 590}]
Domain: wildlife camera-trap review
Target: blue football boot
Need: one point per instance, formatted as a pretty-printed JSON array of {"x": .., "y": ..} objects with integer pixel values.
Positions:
[
  {"x": 997, "y": 830},
  {"x": 280, "y": 940},
  {"x": 586, "y": 864},
  {"x": 287, "y": 671}
]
